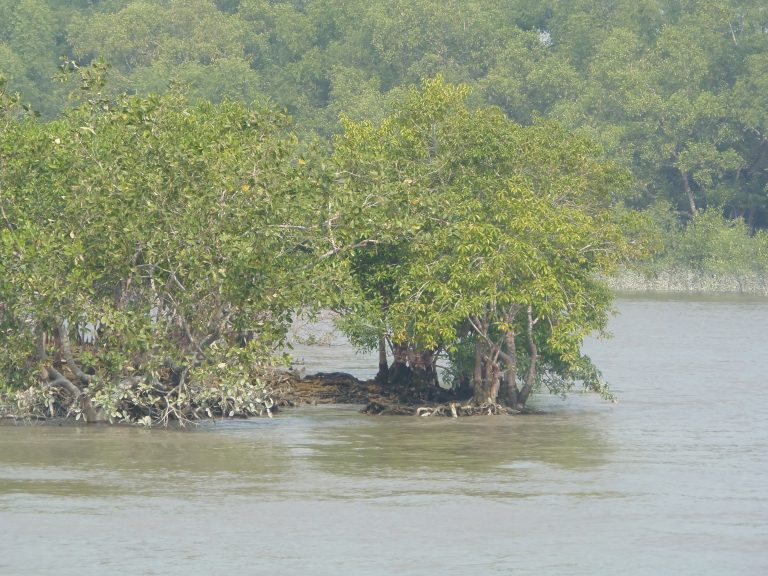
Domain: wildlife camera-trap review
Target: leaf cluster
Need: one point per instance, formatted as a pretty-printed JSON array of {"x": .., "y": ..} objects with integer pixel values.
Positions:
[
  {"x": 163, "y": 237},
  {"x": 448, "y": 214}
]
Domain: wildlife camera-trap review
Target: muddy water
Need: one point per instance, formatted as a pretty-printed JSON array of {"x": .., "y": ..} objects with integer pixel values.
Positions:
[{"x": 672, "y": 480}]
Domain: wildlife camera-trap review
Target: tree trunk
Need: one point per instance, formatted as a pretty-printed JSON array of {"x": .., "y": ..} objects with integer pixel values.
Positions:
[
  {"x": 689, "y": 193},
  {"x": 428, "y": 363},
  {"x": 57, "y": 380},
  {"x": 487, "y": 387},
  {"x": 432, "y": 367},
  {"x": 66, "y": 349},
  {"x": 494, "y": 379},
  {"x": 399, "y": 372},
  {"x": 533, "y": 357},
  {"x": 383, "y": 375},
  {"x": 480, "y": 389},
  {"x": 412, "y": 357},
  {"x": 509, "y": 391},
  {"x": 482, "y": 392},
  {"x": 477, "y": 373}
]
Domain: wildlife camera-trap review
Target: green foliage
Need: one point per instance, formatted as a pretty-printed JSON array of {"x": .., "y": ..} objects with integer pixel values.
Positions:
[
  {"x": 454, "y": 221},
  {"x": 173, "y": 228},
  {"x": 714, "y": 245},
  {"x": 30, "y": 47},
  {"x": 674, "y": 92}
]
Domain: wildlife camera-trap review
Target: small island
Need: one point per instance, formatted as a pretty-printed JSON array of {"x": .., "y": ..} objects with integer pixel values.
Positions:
[{"x": 156, "y": 250}]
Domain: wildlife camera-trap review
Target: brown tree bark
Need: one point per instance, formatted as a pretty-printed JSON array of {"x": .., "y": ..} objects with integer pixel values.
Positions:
[
  {"x": 56, "y": 379},
  {"x": 479, "y": 384},
  {"x": 487, "y": 373},
  {"x": 509, "y": 391},
  {"x": 383, "y": 374},
  {"x": 494, "y": 377},
  {"x": 533, "y": 357},
  {"x": 689, "y": 193},
  {"x": 399, "y": 372}
]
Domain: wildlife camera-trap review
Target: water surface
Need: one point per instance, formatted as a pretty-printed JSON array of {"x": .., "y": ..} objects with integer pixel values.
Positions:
[{"x": 671, "y": 480}]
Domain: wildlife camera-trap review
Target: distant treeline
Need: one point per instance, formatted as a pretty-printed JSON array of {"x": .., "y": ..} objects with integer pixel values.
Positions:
[{"x": 676, "y": 91}]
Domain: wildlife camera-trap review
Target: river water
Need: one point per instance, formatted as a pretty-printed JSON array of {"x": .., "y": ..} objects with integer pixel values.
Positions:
[{"x": 671, "y": 480}]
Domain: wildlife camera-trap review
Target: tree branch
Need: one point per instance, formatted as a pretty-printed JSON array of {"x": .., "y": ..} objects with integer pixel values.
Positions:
[
  {"x": 533, "y": 354},
  {"x": 57, "y": 380},
  {"x": 337, "y": 249},
  {"x": 7, "y": 220},
  {"x": 66, "y": 350}
]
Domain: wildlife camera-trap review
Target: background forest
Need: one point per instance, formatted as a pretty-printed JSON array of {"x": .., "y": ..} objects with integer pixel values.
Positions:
[{"x": 676, "y": 91}]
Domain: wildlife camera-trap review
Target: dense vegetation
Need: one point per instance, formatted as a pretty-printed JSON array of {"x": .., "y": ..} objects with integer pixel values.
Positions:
[
  {"x": 676, "y": 91},
  {"x": 163, "y": 220},
  {"x": 150, "y": 232},
  {"x": 471, "y": 230},
  {"x": 155, "y": 250}
]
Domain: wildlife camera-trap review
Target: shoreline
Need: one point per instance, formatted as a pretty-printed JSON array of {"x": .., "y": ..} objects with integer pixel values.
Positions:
[
  {"x": 292, "y": 390},
  {"x": 688, "y": 282},
  {"x": 334, "y": 388}
]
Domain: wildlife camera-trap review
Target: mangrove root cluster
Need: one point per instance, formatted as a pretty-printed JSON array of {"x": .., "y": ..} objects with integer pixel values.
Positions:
[
  {"x": 384, "y": 400},
  {"x": 450, "y": 410},
  {"x": 141, "y": 400}
]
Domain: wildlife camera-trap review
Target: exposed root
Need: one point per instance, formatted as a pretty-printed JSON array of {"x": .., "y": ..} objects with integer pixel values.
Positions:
[
  {"x": 341, "y": 388},
  {"x": 325, "y": 388},
  {"x": 158, "y": 401},
  {"x": 140, "y": 400},
  {"x": 450, "y": 409}
]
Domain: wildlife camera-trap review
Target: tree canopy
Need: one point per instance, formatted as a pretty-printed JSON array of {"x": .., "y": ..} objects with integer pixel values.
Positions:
[
  {"x": 227, "y": 164},
  {"x": 155, "y": 248},
  {"x": 468, "y": 227},
  {"x": 671, "y": 90},
  {"x": 162, "y": 233}
]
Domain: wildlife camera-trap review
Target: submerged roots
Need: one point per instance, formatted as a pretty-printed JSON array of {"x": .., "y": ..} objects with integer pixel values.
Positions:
[
  {"x": 138, "y": 401},
  {"x": 450, "y": 409},
  {"x": 135, "y": 400},
  {"x": 381, "y": 400}
]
